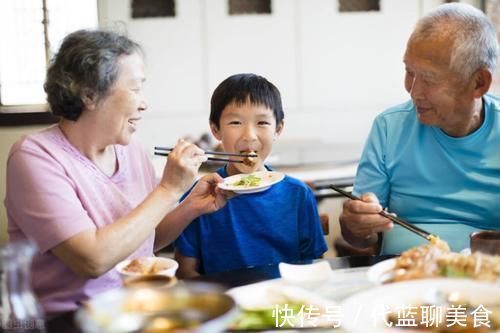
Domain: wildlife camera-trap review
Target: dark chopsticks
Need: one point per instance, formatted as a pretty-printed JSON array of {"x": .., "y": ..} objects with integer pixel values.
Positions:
[
  {"x": 210, "y": 152},
  {"x": 210, "y": 158},
  {"x": 397, "y": 220}
]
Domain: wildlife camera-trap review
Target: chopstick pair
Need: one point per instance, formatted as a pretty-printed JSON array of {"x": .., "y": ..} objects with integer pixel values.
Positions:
[
  {"x": 422, "y": 233},
  {"x": 164, "y": 151}
]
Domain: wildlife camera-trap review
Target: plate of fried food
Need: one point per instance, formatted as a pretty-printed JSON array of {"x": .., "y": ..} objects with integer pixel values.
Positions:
[
  {"x": 435, "y": 260},
  {"x": 254, "y": 182}
]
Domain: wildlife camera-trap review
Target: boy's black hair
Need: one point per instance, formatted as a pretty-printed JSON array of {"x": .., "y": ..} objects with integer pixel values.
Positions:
[{"x": 243, "y": 88}]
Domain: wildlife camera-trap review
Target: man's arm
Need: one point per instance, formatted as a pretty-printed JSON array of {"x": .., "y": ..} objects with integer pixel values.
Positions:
[{"x": 359, "y": 220}]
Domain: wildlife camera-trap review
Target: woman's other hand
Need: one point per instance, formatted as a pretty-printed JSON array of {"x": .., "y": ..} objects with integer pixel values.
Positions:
[
  {"x": 182, "y": 166},
  {"x": 206, "y": 197}
]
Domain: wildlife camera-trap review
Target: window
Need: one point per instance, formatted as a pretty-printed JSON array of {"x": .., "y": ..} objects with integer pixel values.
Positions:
[
  {"x": 242, "y": 7},
  {"x": 153, "y": 8},
  {"x": 31, "y": 32},
  {"x": 359, "y": 5}
]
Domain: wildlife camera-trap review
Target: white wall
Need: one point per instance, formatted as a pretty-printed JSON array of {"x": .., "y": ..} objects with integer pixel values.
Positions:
[{"x": 336, "y": 71}]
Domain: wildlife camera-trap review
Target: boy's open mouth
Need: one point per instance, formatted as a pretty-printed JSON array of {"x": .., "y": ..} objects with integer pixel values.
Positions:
[{"x": 249, "y": 161}]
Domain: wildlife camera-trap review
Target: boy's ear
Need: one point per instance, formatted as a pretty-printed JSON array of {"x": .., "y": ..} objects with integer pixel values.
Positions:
[
  {"x": 279, "y": 129},
  {"x": 215, "y": 131}
]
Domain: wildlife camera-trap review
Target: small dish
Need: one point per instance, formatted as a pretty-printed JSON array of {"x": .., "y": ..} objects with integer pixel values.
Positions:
[
  {"x": 147, "y": 266},
  {"x": 266, "y": 180},
  {"x": 150, "y": 281},
  {"x": 307, "y": 276}
]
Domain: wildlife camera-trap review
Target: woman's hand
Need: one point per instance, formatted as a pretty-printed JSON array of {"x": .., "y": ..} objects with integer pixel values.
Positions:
[
  {"x": 206, "y": 197},
  {"x": 182, "y": 167}
]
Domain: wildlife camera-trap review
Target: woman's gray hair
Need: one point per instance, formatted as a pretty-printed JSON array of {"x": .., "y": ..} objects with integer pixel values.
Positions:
[
  {"x": 474, "y": 37},
  {"x": 85, "y": 65}
]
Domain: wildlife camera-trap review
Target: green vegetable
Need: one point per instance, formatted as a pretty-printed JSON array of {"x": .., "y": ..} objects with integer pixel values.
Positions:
[
  {"x": 263, "y": 318},
  {"x": 250, "y": 180},
  {"x": 451, "y": 272}
]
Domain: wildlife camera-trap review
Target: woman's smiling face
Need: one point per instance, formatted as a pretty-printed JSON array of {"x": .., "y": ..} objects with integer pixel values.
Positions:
[
  {"x": 245, "y": 128},
  {"x": 121, "y": 109}
]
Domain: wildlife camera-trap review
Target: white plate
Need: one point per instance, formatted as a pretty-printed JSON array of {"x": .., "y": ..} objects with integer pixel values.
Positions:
[
  {"x": 366, "y": 311},
  {"x": 379, "y": 272},
  {"x": 268, "y": 178},
  {"x": 275, "y": 293}
]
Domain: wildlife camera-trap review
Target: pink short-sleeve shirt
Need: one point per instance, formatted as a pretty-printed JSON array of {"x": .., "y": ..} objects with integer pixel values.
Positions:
[{"x": 54, "y": 192}]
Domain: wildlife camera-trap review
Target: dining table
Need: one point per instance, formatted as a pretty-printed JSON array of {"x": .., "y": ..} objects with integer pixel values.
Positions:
[{"x": 349, "y": 276}]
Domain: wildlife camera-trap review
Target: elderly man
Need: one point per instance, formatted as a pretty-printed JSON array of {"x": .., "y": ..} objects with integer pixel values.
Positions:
[{"x": 434, "y": 160}]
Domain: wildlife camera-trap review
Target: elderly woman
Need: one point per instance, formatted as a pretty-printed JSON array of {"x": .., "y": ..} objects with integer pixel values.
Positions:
[{"x": 84, "y": 189}]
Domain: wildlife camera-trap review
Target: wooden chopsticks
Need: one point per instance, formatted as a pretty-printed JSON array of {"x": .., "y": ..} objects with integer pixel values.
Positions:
[
  {"x": 163, "y": 151},
  {"x": 397, "y": 220}
]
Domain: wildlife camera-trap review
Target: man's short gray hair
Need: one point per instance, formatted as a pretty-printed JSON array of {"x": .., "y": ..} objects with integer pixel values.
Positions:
[{"x": 474, "y": 37}]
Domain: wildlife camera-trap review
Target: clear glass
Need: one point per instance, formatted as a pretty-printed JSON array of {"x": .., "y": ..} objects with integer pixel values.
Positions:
[{"x": 21, "y": 311}]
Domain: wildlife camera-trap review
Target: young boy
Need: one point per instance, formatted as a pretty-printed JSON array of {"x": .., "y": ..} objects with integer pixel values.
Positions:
[{"x": 280, "y": 224}]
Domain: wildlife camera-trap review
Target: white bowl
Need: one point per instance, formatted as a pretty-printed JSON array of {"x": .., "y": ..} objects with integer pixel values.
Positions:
[
  {"x": 150, "y": 265},
  {"x": 307, "y": 276}
]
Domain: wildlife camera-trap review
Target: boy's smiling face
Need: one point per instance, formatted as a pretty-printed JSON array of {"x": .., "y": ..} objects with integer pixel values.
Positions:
[{"x": 247, "y": 128}]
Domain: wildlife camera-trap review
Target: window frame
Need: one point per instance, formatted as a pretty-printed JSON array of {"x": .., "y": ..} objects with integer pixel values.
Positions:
[{"x": 31, "y": 114}]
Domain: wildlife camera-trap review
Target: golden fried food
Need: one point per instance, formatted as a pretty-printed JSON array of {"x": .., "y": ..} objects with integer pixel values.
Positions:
[
  {"x": 144, "y": 266},
  {"x": 435, "y": 259}
]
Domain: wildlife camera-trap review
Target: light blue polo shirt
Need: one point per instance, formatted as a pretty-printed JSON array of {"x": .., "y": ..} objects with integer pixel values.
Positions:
[{"x": 448, "y": 186}]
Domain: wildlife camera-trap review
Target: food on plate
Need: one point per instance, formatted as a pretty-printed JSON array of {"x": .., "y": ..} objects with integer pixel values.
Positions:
[
  {"x": 436, "y": 260},
  {"x": 477, "y": 265},
  {"x": 144, "y": 266},
  {"x": 248, "y": 181},
  {"x": 249, "y": 161}
]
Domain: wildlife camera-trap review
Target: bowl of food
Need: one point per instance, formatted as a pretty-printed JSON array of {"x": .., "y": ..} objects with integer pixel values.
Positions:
[
  {"x": 200, "y": 307},
  {"x": 147, "y": 266},
  {"x": 150, "y": 281}
]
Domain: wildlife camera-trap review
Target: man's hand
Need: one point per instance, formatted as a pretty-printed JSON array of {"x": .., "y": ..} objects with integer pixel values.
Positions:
[{"x": 360, "y": 221}]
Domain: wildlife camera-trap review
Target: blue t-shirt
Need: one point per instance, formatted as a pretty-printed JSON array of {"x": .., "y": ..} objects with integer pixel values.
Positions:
[
  {"x": 280, "y": 224},
  {"x": 448, "y": 186}
]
